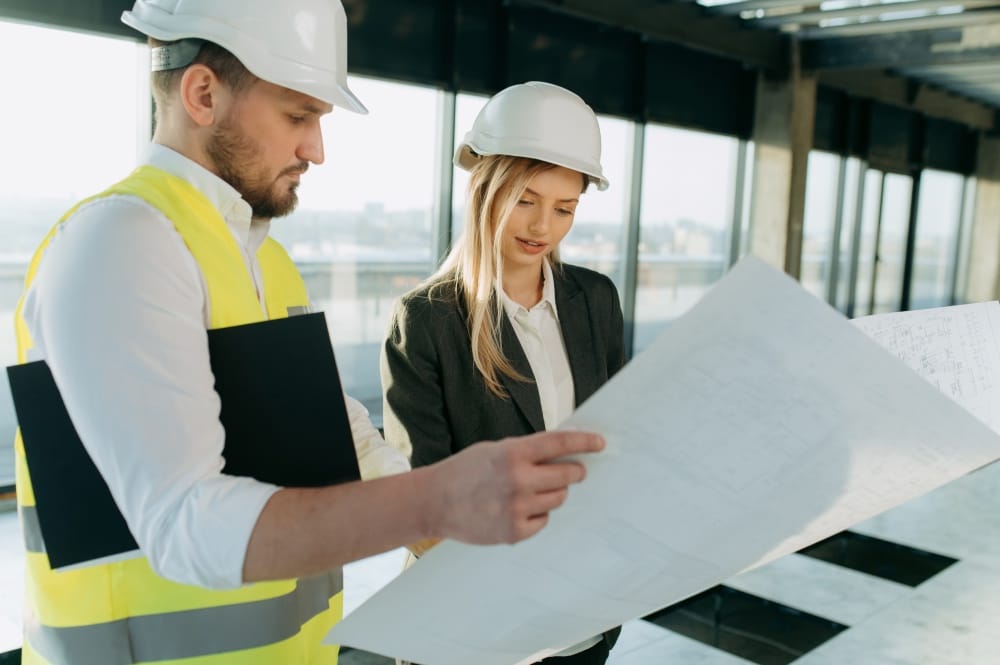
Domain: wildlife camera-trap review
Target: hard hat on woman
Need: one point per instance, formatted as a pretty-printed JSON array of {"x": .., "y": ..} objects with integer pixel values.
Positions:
[
  {"x": 540, "y": 121},
  {"x": 307, "y": 54}
]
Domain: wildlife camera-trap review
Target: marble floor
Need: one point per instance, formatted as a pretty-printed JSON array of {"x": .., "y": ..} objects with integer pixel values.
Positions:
[{"x": 841, "y": 614}]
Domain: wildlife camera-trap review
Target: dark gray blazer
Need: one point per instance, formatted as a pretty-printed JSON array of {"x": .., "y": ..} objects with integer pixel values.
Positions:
[{"x": 435, "y": 399}]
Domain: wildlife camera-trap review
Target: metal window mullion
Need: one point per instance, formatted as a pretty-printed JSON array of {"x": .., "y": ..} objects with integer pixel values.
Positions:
[
  {"x": 961, "y": 249},
  {"x": 859, "y": 210},
  {"x": 911, "y": 243},
  {"x": 833, "y": 275},
  {"x": 442, "y": 213},
  {"x": 878, "y": 242},
  {"x": 735, "y": 234},
  {"x": 631, "y": 253}
]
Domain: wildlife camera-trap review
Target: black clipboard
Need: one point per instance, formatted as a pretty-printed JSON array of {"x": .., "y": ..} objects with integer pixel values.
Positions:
[{"x": 282, "y": 407}]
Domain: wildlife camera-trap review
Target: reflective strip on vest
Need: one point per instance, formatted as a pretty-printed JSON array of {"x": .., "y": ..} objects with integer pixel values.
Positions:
[
  {"x": 33, "y": 541},
  {"x": 187, "y": 634}
]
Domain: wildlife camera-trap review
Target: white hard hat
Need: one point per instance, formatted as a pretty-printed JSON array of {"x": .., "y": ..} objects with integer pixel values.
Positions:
[
  {"x": 297, "y": 44},
  {"x": 540, "y": 121}
]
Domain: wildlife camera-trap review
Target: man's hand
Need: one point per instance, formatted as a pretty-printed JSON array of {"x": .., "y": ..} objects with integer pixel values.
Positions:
[
  {"x": 502, "y": 492},
  {"x": 498, "y": 492}
]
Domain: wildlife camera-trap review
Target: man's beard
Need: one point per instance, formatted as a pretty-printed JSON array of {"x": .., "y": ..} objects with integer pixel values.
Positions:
[{"x": 228, "y": 149}]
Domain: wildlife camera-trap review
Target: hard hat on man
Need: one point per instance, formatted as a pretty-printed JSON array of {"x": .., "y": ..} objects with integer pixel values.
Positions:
[{"x": 296, "y": 44}]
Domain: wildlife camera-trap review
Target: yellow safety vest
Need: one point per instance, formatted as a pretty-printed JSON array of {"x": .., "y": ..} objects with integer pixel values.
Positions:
[{"x": 122, "y": 613}]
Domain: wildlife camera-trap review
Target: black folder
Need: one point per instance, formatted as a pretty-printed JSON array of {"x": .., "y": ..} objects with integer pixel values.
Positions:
[{"x": 282, "y": 408}]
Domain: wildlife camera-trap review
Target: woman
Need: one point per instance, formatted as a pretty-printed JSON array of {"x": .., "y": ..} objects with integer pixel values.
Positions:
[{"x": 505, "y": 339}]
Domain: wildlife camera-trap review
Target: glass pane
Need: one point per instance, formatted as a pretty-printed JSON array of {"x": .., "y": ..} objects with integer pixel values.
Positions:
[
  {"x": 467, "y": 107},
  {"x": 823, "y": 174},
  {"x": 88, "y": 146},
  {"x": 965, "y": 242},
  {"x": 892, "y": 242},
  {"x": 852, "y": 170},
  {"x": 597, "y": 239},
  {"x": 362, "y": 234},
  {"x": 748, "y": 162},
  {"x": 939, "y": 211},
  {"x": 688, "y": 189},
  {"x": 868, "y": 242}
]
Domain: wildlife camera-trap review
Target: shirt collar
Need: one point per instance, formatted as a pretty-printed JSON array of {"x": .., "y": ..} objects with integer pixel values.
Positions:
[
  {"x": 249, "y": 232},
  {"x": 548, "y": 295}
]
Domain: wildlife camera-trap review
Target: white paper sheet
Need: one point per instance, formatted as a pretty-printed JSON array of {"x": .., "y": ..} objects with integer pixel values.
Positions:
[
  {"x": 956, "y": 348},
  {"x": 759, "y": 423}
]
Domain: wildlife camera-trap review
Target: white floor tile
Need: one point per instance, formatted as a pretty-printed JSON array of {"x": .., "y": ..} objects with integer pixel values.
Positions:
[
  {"x": 824, "y": 589},
  {"x": 643, "y": 643},
  {"x": 951, "y": 619}
]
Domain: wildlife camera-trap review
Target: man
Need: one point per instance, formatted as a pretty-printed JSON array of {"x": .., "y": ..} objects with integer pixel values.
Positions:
[{"x": 118, "y": 301}]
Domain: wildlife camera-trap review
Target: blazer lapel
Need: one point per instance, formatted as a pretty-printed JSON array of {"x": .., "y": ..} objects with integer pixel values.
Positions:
[
  {"x": 523, "y": 393},
  {"x": 574, "y": 320}
]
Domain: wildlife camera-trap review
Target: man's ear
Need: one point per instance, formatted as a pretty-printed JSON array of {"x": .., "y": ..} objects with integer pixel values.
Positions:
[{"x": 201, "y": 94}]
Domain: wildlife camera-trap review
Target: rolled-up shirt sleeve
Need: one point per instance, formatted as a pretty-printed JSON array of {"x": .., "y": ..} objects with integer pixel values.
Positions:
[
  {"x": 376, "y": 458},
  {"x": 118, "y": 311}
]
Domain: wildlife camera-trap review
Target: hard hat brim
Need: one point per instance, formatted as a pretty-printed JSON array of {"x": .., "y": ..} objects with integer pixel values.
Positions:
[
  {"x": 466, "y": 157},
  {"x": 323, "y": 85}
]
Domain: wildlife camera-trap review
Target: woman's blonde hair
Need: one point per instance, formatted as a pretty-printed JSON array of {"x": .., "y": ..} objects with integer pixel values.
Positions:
[{"x": 473, "y": 269}]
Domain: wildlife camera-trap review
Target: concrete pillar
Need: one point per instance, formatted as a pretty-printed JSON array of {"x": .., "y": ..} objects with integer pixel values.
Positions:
[
  {"x": 783, "y": 131},
  {"x": 984, "y": 259}
]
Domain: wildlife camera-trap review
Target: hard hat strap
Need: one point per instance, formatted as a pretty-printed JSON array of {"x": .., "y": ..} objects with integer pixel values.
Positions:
[{"x": 175, "y": 54}]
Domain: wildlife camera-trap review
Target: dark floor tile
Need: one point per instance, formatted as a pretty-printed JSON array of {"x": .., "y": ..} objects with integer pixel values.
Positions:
[
  {"x": 891, "y": 561},
  {"x": 747, "y": 626}
]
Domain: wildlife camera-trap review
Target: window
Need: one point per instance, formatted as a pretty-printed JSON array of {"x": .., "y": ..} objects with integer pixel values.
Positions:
[
  {"x": 688, "y": 194},
  {"x": 820, "y": 221},
  {"x": 597, "y": 240},
  {"x": 890, "y": 258},
  {"x": 744, "y": 191},
  {"x": 848, "y": 228},
  {"x": 467, "y": 107},
  {"x": 939, "y": 214},
  {"x": 362, "y": 233},
  {"x": 965, "y": 243},
  {"x": 885, "y": 224},
  {"x": 72, "y": 125},
  {"x": 78, "y": 127},
  {"x": 868, "y": 240}
]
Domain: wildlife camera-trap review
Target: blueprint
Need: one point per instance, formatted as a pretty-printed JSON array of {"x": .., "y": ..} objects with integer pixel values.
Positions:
[{"x": 760, "y": 422}]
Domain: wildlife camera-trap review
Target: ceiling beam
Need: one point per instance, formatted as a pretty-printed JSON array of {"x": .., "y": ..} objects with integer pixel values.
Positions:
[
  {"x": 867, "y": 12},
  {"x": 683, "y": 23},
  {"x": 763, "y": 6},
  {"x": 974, "y": 43},
  {"x": 905, "y": 93},
  {"x": 912, "y": 25}
]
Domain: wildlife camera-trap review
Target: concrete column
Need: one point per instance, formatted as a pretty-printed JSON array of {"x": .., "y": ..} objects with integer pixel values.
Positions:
[
  {"x": 984, "y": 259},
  {"x": 783, "y": 132}
]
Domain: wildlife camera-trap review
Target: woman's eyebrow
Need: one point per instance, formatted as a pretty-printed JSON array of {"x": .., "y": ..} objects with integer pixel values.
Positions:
[{"x": 529, "y": 190}]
